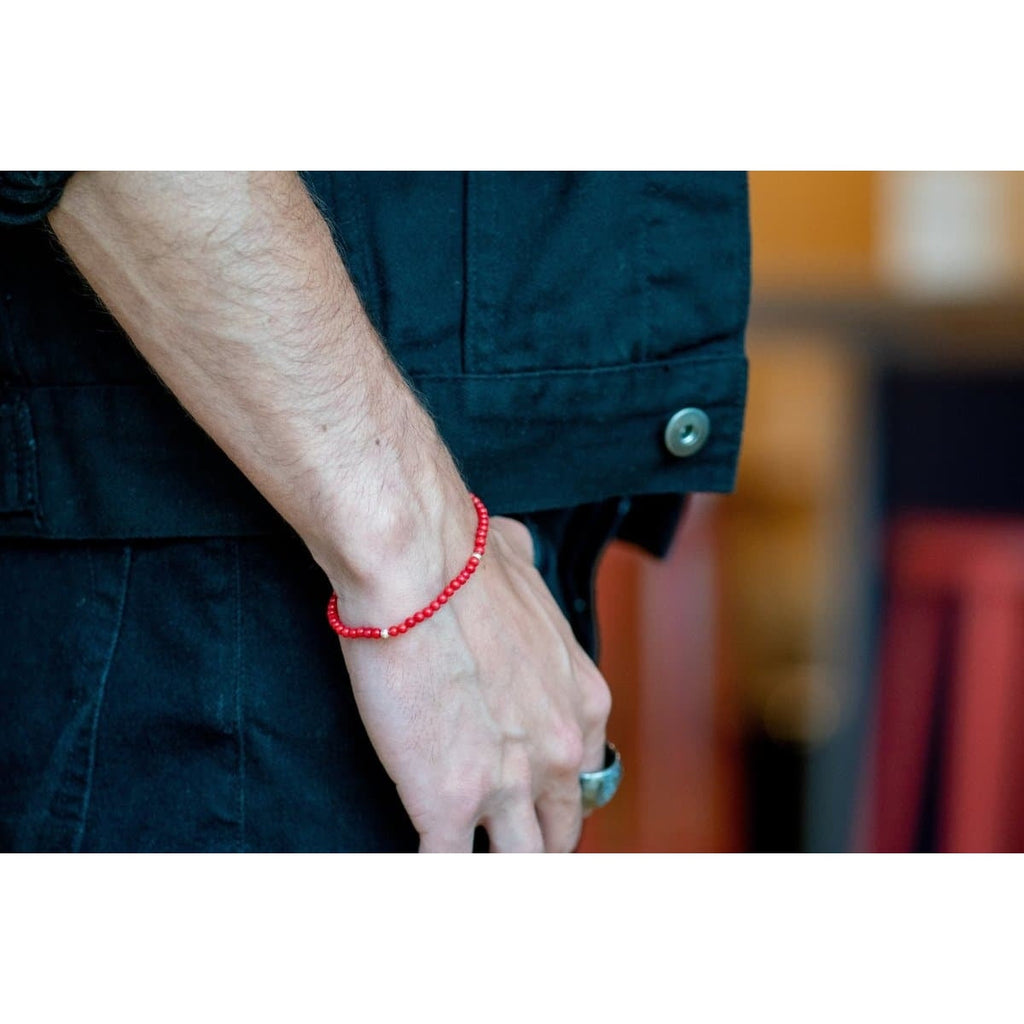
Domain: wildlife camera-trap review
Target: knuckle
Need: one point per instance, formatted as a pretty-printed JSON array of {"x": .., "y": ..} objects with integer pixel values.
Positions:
[
  {"x": 515, "y": 791},
  {"x": 597, "y": 700},
  {"x": 516, "y": 781},
  {"x": 566, "y": 747}
]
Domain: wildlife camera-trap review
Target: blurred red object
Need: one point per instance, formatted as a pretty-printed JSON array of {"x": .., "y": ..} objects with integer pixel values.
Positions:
[{"x": 955, "y": 616}]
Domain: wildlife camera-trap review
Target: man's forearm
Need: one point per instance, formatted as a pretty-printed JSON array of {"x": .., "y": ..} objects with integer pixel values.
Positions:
[{"x": 232, "y": 289}]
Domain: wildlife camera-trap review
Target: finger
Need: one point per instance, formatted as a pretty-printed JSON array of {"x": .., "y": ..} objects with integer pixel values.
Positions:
[
  {"x": 595, "y": 756},
  {"x": 447, "y": 840},
  {"x": 561, "y": 821},
  {"x": 515, "y": 829}
]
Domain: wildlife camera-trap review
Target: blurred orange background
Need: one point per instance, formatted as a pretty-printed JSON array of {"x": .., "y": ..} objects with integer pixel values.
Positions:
[{"x": 829, "y": 658}]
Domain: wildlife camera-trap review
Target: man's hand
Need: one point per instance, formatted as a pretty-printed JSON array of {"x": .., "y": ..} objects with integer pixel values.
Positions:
[
  {"x": 487, "y": 714},
  {"x": 230, "y": 286}
]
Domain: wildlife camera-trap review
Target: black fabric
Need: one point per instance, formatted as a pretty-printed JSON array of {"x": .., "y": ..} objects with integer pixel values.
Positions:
[
  {"x": 168, "y": 680},
  {"x": 27, "y": 196},
  {"x": 491, "y": 273},
  {"x": 187, "y": 695},
  {"x": 651, "y": 521},
  {"x": 552, "y": 324},
  {"x": 125, "y": 461}
]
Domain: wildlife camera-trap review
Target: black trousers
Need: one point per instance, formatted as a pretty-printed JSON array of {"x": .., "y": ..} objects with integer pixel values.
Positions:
[{"x": 188, "y": 695}]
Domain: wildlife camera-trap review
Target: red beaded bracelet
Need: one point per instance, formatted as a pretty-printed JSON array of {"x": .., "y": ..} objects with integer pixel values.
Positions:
[{"x": 383, "y": 632}]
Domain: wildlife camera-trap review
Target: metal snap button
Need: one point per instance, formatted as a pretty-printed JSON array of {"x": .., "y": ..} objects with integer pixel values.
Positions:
[{"x": 687, "y": 431}]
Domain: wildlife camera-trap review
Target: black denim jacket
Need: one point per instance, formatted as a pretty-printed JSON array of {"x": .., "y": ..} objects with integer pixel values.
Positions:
[{"x": 552, "y": 323}]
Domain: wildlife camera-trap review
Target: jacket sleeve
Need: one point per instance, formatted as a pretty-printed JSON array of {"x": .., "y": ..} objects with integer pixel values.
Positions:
[{"x": 27, "y": 196}]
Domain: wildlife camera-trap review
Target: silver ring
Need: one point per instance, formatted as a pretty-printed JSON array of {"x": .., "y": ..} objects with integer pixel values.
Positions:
[{"x": 597, "y": 788}]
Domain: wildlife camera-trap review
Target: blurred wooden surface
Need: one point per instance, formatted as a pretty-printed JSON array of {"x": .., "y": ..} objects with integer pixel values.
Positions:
[
  {"x": 814, "y": 231},
  {"x": 672, "y": 720}
]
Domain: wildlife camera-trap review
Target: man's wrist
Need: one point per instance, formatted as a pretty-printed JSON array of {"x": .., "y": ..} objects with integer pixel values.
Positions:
[{"x": 384, "y": 560}]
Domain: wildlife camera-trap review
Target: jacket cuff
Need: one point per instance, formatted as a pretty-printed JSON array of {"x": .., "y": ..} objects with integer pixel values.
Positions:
[{"x": 28, "y": 196}]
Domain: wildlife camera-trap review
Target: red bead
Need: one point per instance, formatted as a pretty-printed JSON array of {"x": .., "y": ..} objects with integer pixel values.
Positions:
[
  {"x": 410, "y": 622},
  {"x": 427, "y": 612},
  {"x": 420, "y": 616},
  {"x": 434, "y": 605},
  {"x": 448, "y": 591},
  {"x": 404, "y": 627}
]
